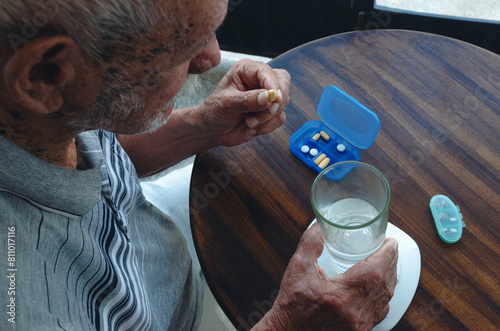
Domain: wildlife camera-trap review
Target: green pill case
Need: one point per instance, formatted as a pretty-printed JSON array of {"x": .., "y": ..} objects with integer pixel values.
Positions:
[{"x": 447, "y": 217}]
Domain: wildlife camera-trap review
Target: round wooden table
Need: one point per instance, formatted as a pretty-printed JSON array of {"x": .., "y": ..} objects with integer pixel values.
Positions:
[{"x": 438, "y": 100}]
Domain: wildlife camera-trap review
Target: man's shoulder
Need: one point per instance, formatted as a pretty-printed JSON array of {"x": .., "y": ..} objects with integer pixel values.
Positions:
[{"x": 13, "y": 206}]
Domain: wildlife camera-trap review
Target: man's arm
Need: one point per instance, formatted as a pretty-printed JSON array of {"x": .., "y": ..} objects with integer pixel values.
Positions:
[
  {"x": 180, "y": 138},
  {"x": 310, "y": 300},
  {"x": 237, "y": 111}
]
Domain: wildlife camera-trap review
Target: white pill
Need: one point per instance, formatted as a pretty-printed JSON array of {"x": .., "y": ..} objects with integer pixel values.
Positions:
[
  {"x": 453, "y": 230},
  {"x": 340, "y": 148},
  {"x": 453, "y": 219},
  {"x": 304, "y": 149},
  {"x": 313, "y": 152}
]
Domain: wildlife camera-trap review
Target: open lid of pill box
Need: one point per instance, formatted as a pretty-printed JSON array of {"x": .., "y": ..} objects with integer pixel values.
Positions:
[{"x": 346, "y": 122}]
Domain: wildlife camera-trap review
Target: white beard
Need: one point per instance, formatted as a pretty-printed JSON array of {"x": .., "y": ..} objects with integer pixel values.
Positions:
[{"x": 182, "y": 99}]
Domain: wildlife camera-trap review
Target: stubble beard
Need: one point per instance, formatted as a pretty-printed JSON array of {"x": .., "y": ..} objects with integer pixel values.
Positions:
[{"x": 118, "y": 109}]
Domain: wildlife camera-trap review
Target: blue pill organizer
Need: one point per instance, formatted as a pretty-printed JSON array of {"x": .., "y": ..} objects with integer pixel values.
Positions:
[{"x": 345, "y": 120}]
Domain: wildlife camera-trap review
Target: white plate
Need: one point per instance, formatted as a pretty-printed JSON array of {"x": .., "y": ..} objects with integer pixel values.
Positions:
[{"x": 408, "y": 275}]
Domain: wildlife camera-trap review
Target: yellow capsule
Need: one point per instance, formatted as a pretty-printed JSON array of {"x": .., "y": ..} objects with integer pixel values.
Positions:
[
  {"x": 316, "y": 136},
  {"x": 324, "y": 163},
  {"x": 319, "y": 159},
  {"x": 271, "y": 96},
  {"x": 324, "y": 135}
]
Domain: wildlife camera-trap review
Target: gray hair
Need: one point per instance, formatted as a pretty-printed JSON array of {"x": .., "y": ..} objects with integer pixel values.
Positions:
[{"x": 103, "y": 28}]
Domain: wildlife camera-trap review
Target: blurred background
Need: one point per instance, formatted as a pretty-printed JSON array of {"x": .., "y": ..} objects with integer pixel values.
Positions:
[{"x": 269, "y": 28}]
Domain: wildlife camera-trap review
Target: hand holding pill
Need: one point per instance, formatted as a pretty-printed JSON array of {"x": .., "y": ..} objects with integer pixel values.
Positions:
[{"x": 249, "y": 101}]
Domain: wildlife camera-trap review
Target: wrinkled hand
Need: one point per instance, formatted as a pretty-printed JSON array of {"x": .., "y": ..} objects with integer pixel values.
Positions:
[
  {"x": 355, "y": 300},
  {"x": 238, "y": 109}
]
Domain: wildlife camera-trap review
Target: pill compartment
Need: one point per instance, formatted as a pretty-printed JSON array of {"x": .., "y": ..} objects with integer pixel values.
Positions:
[
  {"x": 345, "y": 120},
  {"x": 447, "y": 218}
]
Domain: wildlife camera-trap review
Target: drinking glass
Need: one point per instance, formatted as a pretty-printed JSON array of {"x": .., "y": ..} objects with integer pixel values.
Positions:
[{"x": 351, "y": 203}]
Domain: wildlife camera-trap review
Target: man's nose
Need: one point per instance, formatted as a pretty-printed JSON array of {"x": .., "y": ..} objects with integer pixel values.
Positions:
[{"x": 208, "y": 58}]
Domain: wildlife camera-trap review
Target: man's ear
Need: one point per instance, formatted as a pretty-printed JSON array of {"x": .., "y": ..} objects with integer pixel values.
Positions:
[{"x": 35, "y": 74}]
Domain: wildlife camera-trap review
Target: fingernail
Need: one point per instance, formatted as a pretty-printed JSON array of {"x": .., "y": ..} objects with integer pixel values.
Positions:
[
  {"x": 252, "y": 122},
  {"x": 262, "y": 98},
  {"x": 274, "y": 108},
  {"x": 252, "y": 132},
  {"x": 280, "y": 95}
]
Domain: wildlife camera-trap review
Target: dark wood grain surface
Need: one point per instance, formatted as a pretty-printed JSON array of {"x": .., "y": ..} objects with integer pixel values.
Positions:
[{"x": 438, "y": 100}]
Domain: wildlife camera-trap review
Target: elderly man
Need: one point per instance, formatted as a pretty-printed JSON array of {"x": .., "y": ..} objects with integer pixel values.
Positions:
[{"x": 86, "y": 92}]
